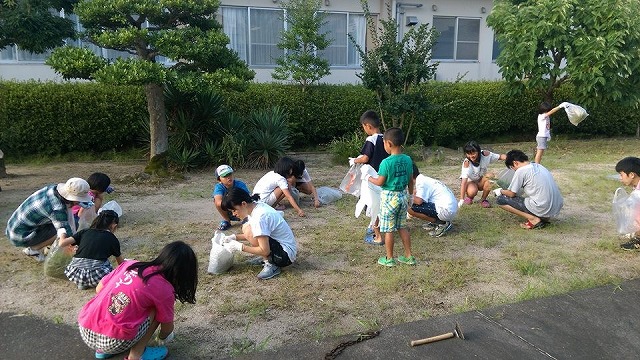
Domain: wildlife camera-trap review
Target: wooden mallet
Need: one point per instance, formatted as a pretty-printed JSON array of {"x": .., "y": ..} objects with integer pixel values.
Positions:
[{"x": 457, "y": 332}]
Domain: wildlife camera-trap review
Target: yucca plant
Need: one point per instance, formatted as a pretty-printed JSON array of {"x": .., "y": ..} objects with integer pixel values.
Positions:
[
  {"x": 184, "y": 159},
  {"x": 268, "y": 138}
]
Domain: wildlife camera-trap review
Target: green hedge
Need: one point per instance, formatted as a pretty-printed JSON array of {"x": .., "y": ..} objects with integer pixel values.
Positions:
[{"x": 50, "y": 118}]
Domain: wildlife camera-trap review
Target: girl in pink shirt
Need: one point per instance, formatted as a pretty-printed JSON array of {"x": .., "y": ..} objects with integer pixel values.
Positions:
[{"x": 137, "y": 297}]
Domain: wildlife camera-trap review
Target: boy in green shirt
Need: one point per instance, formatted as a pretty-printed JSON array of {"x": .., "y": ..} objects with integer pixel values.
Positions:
[{"x": 395, "y": 174}]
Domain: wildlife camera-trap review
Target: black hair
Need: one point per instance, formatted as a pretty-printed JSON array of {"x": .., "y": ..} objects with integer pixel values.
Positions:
[
  {"x": 284, "y": 166},
  {"x": 235, "y": 196},
  {"x": 178, "y": 264},
  {"x": 298, "y": 168},
  {"x": 416, "y": 172},
  {"x": 472, "y": 147},
  {"x": 628, "y": 165},
  {"x": 370, "y": 117},
  {"x": 395, "y": 136},
  {"x": 99, "y": 181},
  {"x": 544, "y": 107},
  {"x": 515, "y": 155},
  {"x": 104, "y": 219}
]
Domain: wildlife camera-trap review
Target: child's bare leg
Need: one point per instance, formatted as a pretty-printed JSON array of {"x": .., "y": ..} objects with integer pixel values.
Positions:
[
  {"x": 485, "y": 185},
  {"x": 136, "y": 351},
  {"x": 472, "y": 189},
  {"x": 388, "y": 244},
  {"x": 538, "y": 157},
  {"x": 279, "y": 196},
  {"x": 406, "y": 241},
  {"x": 377, "y": 236}
]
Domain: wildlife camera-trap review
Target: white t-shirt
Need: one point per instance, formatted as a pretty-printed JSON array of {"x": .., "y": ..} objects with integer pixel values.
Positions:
[
  {"x": 269, "y": 182},
  {"x": 544, "y": 126},
  {"x": 265, "y": 221},
  {"x": 475, "y": 173},
  {"x": 434, "y": 191},
  {"x": 305, "y": 177},
  {"x": 543, "y": 196}
]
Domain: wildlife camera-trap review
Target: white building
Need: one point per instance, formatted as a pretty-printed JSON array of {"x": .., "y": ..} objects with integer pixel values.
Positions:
[{"x": 465, "y": 47}]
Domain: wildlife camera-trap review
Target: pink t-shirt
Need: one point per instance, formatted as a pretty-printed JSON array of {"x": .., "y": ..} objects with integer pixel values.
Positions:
[{"x": 125, "y": 302}]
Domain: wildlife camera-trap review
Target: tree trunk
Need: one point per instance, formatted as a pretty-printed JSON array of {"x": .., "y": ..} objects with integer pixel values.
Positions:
[{"x": 157, "y": 128}]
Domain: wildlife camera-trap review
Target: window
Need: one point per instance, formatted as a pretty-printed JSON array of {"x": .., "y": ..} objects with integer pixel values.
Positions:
[
  {"x": 338, "y": 27},
  {"x": 496, "y": 49},
  {"x": 459, "y": 38},
  {"x": 254, "y": 34}
]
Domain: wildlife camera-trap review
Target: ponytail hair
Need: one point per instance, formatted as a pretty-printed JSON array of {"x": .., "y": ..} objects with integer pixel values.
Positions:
[
  {"x": 235, "y": 197},
  {"x": 104, "y": 219}
]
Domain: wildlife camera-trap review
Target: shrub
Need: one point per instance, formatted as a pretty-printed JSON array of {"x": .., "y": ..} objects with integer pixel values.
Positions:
[{"x": 346, "y": 146}]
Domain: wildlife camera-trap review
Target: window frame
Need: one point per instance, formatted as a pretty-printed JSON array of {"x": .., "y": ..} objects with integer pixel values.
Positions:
[{"x": 456, "y": 41}]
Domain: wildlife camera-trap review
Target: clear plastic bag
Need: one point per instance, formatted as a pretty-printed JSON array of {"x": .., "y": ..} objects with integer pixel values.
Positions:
[
  {"x": 351, "y": 182},
  {"x": 575, "y": 113},
  {"x": 57, "y": 260},
  {"x": 327, "y": 195},
  {"x": 504, "y": 177},
  {"x": 220, "y": 258},
  {"x": 86, "y": 217},
  {"x": 626, "y": 211}
]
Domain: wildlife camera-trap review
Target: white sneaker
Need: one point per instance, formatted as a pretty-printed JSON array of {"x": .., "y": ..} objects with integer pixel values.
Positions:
[
  {"x": 268, "y": 271},
  {"x": 441, "y": 229},
  {"x": 37, "y": 255}
]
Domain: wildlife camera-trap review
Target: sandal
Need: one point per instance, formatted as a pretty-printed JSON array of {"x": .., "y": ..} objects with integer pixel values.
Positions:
[
  {"x": 280, "y": 207},
  {"x": 531, "y": 226},
  {"x": 370, "y": 239},
  {"x": 224, "y": 225},
  {"x": 153, "y": 353}
]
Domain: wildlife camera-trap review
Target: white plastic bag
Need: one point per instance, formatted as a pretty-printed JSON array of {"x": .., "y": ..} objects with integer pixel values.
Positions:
[
  {"x": 369, "y": 196},
  {"x": 626, "y": 210},
  {"x": 575, "y": 113},
  {"x": 220, "y": 258},
  {"x": 351, "y": 182},
  {"x": 112, "y": 205},
  {"x": 327, "y": 195}
]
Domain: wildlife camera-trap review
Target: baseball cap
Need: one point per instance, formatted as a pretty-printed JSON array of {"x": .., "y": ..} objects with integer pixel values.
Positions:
[{"x": 224, "y": 170}]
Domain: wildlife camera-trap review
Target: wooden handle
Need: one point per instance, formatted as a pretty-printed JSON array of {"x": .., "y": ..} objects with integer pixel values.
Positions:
[{"x": 432, "y": 339}]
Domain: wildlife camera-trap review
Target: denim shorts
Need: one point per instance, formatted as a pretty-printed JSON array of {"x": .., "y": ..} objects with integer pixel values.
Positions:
[
  {"x": 516, "y": 202},
  {"x": 426, "y": 208},
  {"x": 542, "y": 142}
]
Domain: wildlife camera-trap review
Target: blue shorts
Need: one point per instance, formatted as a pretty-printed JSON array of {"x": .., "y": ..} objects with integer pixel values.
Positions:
[
  {"x": 426, "y": 208},
  {"x": 541, "y": 141},
  {"x": 393, "y": 210}
]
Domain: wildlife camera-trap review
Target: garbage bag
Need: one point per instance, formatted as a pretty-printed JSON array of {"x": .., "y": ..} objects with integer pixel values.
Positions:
[
  {"x": 369, "y": 196},
  {"x": 575, "y": 113},
  {"x": 327, "y": 195},
  {"x": 626, "y": 211},
  {"x": 220, "y": 258},
  {"x": 57, "y": 260},
  {"x": 351, "y": 182},
  {"x": 112, "y": 205}
]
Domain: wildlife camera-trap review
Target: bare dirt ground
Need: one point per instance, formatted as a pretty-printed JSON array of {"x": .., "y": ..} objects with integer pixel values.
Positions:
[{"x": 335, "y": 287}]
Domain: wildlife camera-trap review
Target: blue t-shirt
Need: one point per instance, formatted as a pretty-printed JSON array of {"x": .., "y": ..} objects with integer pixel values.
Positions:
[{"x": 221, "y": 190}]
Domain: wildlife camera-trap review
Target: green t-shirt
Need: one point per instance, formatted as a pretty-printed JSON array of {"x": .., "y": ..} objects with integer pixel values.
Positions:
[{"x": 397, "y": 169}]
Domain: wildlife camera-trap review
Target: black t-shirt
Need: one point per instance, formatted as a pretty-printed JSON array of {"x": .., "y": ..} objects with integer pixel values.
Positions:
[
  {"x": 374, "y": 148},
  {"x": 96, "y": 244}
]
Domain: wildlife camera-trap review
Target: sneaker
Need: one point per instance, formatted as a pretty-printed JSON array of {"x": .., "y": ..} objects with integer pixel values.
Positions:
[
  {"x": 485, "y": 203},
  {"x": 101, "y": 355},
  {"x": 631, "y": 245},
  {"x": 407, "y": 260},
  {"x": 441, "y": 229},
  {"x": 224, "y": 225},
  {"x": 468, "y": 200},
  {"x": 386, "y": 262},
  {"x": 257, "y": 260},
  {"x": 268, "y": 271},
  {"x": 35, "y": 254},
  {"x": 429, "y": 226}
]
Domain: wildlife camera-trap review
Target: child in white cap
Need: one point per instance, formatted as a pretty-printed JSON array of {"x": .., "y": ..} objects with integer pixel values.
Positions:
[
  {"x": 45, "y": 215},
  {"x": 226, "y": 181}
]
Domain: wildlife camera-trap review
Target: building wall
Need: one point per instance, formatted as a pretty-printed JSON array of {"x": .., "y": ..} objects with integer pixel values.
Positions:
[{"x": 481, "y": 69}]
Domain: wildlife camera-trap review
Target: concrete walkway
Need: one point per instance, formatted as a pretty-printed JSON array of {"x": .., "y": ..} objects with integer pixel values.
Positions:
[{"x": 600, "y": 323}]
